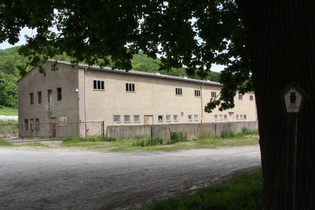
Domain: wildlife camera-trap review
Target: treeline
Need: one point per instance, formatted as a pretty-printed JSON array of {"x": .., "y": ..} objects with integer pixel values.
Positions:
[{"x": 10, "y": 60}]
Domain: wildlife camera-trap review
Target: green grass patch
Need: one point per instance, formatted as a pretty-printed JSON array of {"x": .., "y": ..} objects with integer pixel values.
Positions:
[
  {"x": 8, "y": 126},
  {"x": 5, "y": 144},
  {"x": 144, "y": 143},
  {"x": 6, "y": 111},
  {"x": 243, "y": 191}
]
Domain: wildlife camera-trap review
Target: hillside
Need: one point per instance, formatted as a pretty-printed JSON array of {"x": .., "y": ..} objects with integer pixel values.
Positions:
[{"x": 9, "y": 73}]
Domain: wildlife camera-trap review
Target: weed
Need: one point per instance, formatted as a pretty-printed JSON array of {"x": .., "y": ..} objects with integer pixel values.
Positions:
[
  {"x": 71, "y": 139},
  {"x": 227, "y": 134}
]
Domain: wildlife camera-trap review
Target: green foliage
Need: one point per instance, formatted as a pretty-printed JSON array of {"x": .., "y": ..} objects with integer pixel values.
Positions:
[
  {"x": 245, "y": 131},
  {"x": 178, "y": 137},
  {"x": 85, "y": 139},
  {"x": 6, "y": 111},
  {"x": 243, "y": 191},
  {"x": 8, "y": 90},
  {"x": 186, "y": 35},
  {"x": 147, "y": 142}
]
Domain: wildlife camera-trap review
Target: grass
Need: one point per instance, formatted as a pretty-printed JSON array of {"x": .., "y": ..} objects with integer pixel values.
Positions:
[
  {"x": 6, "y": 111},
  {"x": 6, "y": 127},
  {"x": 144, "y": 143},
  {"x": 243, "y": 191},
  {"x": 5, "y": 144}
]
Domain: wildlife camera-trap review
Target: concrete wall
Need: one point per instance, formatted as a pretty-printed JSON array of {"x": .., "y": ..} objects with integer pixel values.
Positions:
[{"x": 194, "y": 131}]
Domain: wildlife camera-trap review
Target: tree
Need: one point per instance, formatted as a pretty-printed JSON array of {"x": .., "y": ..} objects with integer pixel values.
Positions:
[
  {"x": 8, "y": 89},
  {"x": 265, "y": 44}
]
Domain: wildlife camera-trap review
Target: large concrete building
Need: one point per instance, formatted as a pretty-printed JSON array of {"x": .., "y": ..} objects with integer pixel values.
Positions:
[{"x": 63, "y": 102}]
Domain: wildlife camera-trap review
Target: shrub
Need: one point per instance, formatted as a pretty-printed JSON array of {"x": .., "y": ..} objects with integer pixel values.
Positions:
[
  {"x": 227, "y": 134},
  {"x": 178, "y": 137}
]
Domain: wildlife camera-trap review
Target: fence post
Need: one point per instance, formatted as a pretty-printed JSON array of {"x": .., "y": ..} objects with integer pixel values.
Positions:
[{"x": 103, "y": 128}]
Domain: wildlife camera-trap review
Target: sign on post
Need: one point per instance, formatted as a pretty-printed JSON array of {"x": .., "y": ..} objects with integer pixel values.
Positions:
[{"x": 293, "y": 100}]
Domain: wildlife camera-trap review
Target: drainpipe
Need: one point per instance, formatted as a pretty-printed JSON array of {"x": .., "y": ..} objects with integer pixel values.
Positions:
[
  {"x": 84, "y": 101},
  {"x": 201, "y": 102}
]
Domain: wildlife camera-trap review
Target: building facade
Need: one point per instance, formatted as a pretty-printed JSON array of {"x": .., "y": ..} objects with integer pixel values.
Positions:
[{"x": 61, "y": 103}]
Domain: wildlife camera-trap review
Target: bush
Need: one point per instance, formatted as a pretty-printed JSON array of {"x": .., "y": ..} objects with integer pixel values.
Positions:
[
  {"x": 227, "y": 134},
  {"x": 178, "y": 137},
  {"x": 148, "y": 142}
]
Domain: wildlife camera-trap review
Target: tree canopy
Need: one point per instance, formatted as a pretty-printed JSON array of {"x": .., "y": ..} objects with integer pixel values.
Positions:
[{"x": 101, "y": 32}]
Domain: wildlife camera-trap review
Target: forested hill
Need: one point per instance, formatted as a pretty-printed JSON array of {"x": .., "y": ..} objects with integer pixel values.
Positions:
[{"x": 9, "y": 74}]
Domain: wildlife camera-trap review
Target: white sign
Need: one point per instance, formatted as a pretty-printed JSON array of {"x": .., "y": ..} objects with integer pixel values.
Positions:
[{"x": 293, "y": 100}]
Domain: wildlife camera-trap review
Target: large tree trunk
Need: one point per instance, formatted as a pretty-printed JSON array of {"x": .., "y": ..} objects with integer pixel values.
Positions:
[{"x": 281, "y": 40}]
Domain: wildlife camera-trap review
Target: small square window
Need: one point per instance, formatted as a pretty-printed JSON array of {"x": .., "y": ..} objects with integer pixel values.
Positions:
[
  {"x": 136, "y": 118},
  {"x": 130, "y": 87},
  {"x": 175, "y": 117},
  {"x": 213, "y": 95},
  {"x": 197, "y": 93},
  {"x": 168, "y": 117},
  {"x": 240, "y": 96},
  {"x": 31, "y": 124},
  {"x": 179, "y": 91},
  {"x": 98, "y": 85},
  {"x": 251, "y": 97},
  {"x": 245, "y": 117},
  {"x": 196, "y": 117},
  {"x": 160, "y": 118},
  {"x": 241, "y": 116},
  {"x": 225, "y": 117},
  {"x": 127, "y": 118},
  {"x": 237, "y": 117},
  {"x": 220, "y": 117},
  {"x": 189, "y": 117},
  {"x": 216, "y": 117},
  {"x": 116, "y": 118}
]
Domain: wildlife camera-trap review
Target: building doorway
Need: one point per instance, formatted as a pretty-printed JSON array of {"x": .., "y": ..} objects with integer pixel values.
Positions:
[
  {"x": 148, "y": 119},
  {"x": 53, "y": 127}
]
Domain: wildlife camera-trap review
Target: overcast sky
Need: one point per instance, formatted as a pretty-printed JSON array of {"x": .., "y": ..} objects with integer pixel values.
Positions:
[{"x": 29, "y": 32}]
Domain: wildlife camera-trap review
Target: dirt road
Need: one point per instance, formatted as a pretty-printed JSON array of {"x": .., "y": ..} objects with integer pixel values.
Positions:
[{"x": 69, "y": 179}]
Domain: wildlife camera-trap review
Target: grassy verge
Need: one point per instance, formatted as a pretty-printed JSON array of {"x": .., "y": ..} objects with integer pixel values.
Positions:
[
  {"x": 243, "y": 191},
  {"x": 8, "y": 111},
  {"x": 5, "y": 144},
  {"x": 6, "y": 127}
]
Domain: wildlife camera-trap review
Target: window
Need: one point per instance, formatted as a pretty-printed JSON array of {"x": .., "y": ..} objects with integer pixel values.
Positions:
[
  {"x": 220, "y": 117},
  {"x": 136, "y": 118},
  {"x": 175, "y": 117},
  {"x": 31, "y": 124},
  {"x": 213, "y": 95},
  {"x": 130, "y": 87},
  {"x": 225, "y": 117},
  {"x": 240, "y": 96},
  {"x": 49, "y": 99},
  {"x": 168, "y": 117},
  {"x": 251, "y": 97},
  {"x": 63, "y": 121},
  {"x": 37, "y": 124},
  {"x": 39, "y": 97},
  {"x": 189, "y": 117},
  {"x": 31, "y": 98},
  {"x": 26, "y": 124},
  {"x": 237, "y": 117},
  {"x": 127, "y": 118},
  {"x": 116, "y": 118},
  {"x": 216, "y": 117},
  {"x": 59, "y": 96},
  {"x": 245, "y": 117},
  {"x": 197, "y": 93},
  {"x": 98, "y": 85},
  {"x": 241, "y": 116},
  {"x": 179, "y": 91},
  {"x": 196, "y": 117},
  {"x": 160, "y": 118}
]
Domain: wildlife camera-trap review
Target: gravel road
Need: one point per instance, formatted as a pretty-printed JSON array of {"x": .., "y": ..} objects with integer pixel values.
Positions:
[{"x": 73, "y": 179}]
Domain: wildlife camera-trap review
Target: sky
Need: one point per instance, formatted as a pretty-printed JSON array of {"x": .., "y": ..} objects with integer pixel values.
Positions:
[{"x": 29, "y": 32}]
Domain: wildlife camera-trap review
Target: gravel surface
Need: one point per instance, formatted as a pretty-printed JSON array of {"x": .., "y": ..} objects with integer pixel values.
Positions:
[{"x": 72, "y": 179}]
